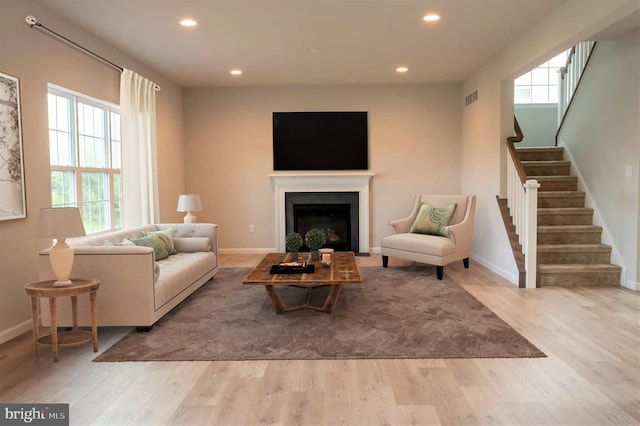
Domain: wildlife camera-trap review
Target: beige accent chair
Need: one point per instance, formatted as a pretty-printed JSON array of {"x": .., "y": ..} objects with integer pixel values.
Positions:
[{"x": 433, "y": 249}]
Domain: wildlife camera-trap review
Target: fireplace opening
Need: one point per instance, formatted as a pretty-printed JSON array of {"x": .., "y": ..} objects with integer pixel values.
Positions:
[
  {"x": 335, "y": 213},
  {"x": 333, "y": 219}
]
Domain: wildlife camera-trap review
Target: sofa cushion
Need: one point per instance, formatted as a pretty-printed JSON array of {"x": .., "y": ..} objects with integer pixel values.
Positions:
[
  {"x": 193, "y": 244},
  {"x": 179, "y": 271},
  {"x": 433, "y": 220},
  {"x": 420, "y": 243}
]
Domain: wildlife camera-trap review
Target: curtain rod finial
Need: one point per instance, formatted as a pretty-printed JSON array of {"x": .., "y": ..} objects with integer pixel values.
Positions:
[{"x": 31, "y": 20}]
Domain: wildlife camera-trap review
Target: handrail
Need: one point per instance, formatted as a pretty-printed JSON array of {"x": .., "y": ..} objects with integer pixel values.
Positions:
[
  {"x": 512, "y": 150},
  {"x": 563, "y": 73}
]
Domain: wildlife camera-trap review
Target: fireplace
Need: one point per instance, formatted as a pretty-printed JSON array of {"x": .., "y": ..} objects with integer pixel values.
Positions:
[
  {"x": 356, "y": 183},
  {"x": 336, "y": 213}
]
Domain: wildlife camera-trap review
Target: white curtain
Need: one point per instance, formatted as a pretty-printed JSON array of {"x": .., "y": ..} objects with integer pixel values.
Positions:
[{"x": 139, "y": 150}]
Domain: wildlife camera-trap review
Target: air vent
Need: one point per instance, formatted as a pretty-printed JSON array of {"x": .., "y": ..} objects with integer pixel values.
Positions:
[{"x": 471, "y": 98}]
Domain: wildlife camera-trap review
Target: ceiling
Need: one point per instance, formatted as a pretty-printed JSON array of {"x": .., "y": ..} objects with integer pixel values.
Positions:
[{"x": 306, "y": 42}]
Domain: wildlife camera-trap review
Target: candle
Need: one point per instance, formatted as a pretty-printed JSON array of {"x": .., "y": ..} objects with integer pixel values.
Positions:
[{"x": 326, "y": 257}]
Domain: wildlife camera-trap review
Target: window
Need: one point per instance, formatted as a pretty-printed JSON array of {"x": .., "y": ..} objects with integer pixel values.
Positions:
[
  {"x": 84, "y": 152},
  {"x": 540, "y": 85}
]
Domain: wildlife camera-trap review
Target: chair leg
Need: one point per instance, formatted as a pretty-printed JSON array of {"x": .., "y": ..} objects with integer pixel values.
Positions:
[
  {"x": 465, "y": 261},
  {"x": 440, "y": 272},
  {"x": 385, "y": 261}
]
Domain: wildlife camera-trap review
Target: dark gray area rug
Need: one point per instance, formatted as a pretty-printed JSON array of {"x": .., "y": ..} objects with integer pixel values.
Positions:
[{"x": 402, "y": 312}]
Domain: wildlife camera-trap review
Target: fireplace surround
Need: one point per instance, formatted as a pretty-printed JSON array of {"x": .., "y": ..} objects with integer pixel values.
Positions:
[{"x": 328, "y": 182}]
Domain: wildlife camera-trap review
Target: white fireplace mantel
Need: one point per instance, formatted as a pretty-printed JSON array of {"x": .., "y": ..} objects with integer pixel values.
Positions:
[{"x": 322, "y": 182}]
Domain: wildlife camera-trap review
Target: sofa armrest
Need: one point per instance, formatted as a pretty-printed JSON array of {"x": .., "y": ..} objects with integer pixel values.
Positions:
[
  {"x": 401, "y": 226},
  {"x": 462, "y": 233}
]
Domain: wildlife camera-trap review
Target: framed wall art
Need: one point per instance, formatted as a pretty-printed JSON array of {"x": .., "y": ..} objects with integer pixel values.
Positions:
[{"x": 12, "y": 191}]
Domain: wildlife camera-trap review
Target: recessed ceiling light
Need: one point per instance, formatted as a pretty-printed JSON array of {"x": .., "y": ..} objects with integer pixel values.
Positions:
[
  {"x": 402, "y": 69},
  {"x": 235, "y": 71},
  {"x": 432, "y": 17},
  {"x": 188, "y": 22}
]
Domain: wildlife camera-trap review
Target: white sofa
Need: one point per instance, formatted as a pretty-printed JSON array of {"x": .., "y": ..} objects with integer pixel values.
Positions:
[{"x": 135, "y": 289}]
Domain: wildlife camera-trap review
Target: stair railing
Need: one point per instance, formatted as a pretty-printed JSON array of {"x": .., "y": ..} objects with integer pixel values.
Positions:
[
  {"x": 522, "y": 200},
  {"x": 570, "y": 78}
]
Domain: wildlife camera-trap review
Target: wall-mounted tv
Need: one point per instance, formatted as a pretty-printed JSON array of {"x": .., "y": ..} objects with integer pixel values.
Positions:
[{"x": 320, "y": 140}]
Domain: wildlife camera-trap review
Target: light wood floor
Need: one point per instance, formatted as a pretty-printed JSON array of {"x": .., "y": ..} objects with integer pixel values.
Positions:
[{"x": 590, "y": 377}]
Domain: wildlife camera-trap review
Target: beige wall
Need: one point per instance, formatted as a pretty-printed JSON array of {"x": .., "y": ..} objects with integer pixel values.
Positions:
[
  {"x": 38, "y": 59},
  {"x": 487, "y": 123},
  {"x": 414, "y": 147}
]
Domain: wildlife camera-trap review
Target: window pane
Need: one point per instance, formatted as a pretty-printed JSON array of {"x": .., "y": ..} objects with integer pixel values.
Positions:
[
  {"x": 61, "y": 148},
  {"x": 540, "y": 94},
  {"x": 523, "y": 79},
  {"x": 63, "y": 188},
  {"x": 523, "y": 95},
  {"x": 92, "y": 136},
  {"x": 540, "y": 76},
  {"x": 559, "y": 60},
  {"x": 95, "y": 201},
  {"x": 117, "y": 200}
]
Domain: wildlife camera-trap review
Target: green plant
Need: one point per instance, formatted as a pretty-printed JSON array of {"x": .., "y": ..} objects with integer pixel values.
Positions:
[
  {"x": 293, "y": 241},
  {"x": 315, "y": 238}
]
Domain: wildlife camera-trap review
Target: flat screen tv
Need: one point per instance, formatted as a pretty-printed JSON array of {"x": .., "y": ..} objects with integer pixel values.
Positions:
[{"x": 320, "y": 140}]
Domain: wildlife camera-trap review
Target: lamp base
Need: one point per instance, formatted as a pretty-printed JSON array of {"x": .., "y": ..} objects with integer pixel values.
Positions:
[
  {"x": 66, "y": 283},
  {"x": 189, "y": 218}
]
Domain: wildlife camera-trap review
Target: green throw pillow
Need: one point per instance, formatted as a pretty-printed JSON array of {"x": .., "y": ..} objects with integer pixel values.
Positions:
[
  {"x": 156, "y": 243},
  {"x": 433, "y": 220}
]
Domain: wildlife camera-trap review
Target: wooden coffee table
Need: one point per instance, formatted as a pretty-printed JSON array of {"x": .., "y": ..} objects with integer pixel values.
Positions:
[{"x": 343, "y": 270}]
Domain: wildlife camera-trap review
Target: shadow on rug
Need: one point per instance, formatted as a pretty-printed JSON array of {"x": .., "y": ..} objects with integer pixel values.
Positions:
[{"x": 402, "y": 312}]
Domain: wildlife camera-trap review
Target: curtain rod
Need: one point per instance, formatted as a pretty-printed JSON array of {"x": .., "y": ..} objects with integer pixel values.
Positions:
[{"x": 33, "y": 22}]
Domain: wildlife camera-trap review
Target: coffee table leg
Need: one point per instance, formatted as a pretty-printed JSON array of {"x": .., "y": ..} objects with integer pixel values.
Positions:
[
  {"x": 277, "y": 303},
  {"x": 74, "y": 312},
  {"x": 332, "y": 298}
]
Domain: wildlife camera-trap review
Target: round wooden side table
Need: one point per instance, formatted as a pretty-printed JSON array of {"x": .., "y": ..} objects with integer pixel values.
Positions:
[{"x": 73, "y": 337}]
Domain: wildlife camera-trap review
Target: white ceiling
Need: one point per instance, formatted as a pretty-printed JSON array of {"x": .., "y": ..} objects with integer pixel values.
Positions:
[{"x": 306, "y": 42}]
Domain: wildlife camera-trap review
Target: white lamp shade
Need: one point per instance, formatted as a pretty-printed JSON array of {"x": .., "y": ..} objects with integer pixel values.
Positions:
[
  {"x": 189, "y": 203},
  {"x": 60, "y": 223}
]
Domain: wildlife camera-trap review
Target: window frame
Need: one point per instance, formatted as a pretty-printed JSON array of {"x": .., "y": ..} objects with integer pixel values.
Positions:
[{"x": 108, "y": 109}]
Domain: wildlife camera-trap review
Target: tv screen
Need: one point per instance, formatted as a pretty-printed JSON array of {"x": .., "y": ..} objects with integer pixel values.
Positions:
[{"x": 320, "y": 140}]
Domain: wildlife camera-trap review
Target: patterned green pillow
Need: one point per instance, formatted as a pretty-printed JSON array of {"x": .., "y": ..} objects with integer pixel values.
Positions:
[
  {"x": 155, "y": 242},
  {"x": 167, "y": 238},
  {"x": 433, "y": 220}
]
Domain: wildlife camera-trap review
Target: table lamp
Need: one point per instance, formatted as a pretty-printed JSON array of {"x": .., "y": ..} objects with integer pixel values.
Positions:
[
  {"x": 189, "y": 203},
  {"x": 58, "y": 224}
]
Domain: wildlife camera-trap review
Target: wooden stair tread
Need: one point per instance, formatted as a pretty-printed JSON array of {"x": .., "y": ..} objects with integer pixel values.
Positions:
[
  {"x": 540, "y": 149},
  {"x": 545, "y": 163},
  {"x": 578, "y": 267},
  {"x": 560, "y": 194},
  {"x": 555, "y": 177},
  {"x": 569, "y": 228},
  {"x": 551, "y": 248},
  {"x": 565, "y": 210}
]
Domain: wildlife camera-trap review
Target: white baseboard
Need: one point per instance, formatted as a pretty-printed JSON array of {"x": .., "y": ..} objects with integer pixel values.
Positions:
[
  {"x": 15, "y": 331},
  {"x": 247, "y": 250},
  {"x": 496, "y": 269},
  {"x": 632, "y": 285}
]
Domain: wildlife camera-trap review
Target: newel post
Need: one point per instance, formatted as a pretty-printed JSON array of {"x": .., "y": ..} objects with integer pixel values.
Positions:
[{"x": 531, "y": 231}]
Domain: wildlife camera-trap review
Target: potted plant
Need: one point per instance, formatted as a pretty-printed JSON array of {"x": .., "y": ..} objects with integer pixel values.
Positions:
[
  {"x": 315, "y": 238},
  {"x": 293, "y": 242}
]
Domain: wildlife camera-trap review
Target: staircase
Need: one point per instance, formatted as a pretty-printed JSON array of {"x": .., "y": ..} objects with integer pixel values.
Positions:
[{"x": 570, "y": 251}]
